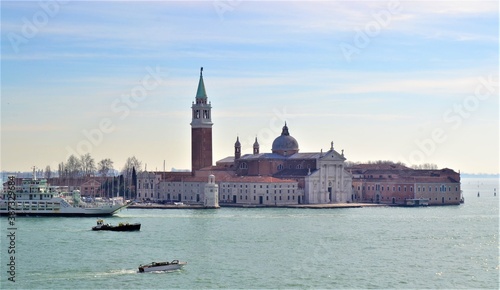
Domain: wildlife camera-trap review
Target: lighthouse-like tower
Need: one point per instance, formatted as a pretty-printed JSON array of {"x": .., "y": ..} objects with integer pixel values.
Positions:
[
  {"x": 211, "y": 193},
  {"x": 201, "y": 129}
]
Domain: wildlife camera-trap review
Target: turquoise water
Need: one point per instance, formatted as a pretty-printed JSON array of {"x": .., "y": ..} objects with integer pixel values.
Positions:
[{"x": 389, "y": 247}]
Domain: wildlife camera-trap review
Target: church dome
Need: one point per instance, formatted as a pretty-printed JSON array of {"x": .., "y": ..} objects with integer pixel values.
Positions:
[{"x": 285, "y": 144}]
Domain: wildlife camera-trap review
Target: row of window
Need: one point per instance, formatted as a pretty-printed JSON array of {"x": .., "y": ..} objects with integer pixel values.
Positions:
[
  {"x": 254, "y": 191},
  {"x": 442, "y": 188},
  {"x": 244, "y": 165},
  {"x": 255, "y": 197},
  {"x": 206, "y": 114},
  {"x": 255, "y": 186}
]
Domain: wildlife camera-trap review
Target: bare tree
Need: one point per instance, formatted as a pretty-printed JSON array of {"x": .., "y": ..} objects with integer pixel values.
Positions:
[
  {"x": 131, "y": 163},
  {"x": 60, "y": 170},
  {"x": 104, "y": 166},
  {"x": 87, "y": 164},
  {"x": 73, "y": 166},
  {"x": 48, "y": 172},
  {"x": 425, "y": 166}
]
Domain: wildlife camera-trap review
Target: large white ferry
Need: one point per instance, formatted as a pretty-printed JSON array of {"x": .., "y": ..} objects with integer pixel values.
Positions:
[{"x": 34, "y": 198}]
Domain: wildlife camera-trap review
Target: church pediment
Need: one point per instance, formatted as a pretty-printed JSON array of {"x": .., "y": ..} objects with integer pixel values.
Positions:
[{"x": 332, "y": 155}]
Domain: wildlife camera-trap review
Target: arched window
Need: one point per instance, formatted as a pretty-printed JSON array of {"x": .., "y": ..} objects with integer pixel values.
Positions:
[
  {"x": 299, "y": 166},
  {"x": 280, "y": 167},
  {"x": 243, "y": 165}
]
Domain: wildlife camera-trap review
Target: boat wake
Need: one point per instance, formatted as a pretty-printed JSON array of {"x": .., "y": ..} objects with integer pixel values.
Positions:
[{"x": 115, "y": 273}]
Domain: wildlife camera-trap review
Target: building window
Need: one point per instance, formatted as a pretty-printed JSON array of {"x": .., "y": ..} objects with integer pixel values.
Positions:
[
  {"x": 243, "y": 165},
  {"x": 299, "y": 166},
  {"x": 280, "y": 167}
]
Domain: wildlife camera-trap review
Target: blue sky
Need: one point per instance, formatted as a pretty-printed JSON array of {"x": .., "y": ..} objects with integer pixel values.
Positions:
[{"x": 409, "y": 81}]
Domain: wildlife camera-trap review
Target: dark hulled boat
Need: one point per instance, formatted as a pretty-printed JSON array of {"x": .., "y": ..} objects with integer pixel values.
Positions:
[{"x": 121, "y": 227}]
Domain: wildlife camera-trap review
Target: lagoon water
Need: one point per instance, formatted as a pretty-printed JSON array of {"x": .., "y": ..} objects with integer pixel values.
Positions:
[{"x": 384, "y": 247}]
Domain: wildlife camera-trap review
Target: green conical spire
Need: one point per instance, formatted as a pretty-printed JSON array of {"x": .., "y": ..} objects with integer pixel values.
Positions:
[{"x": 201, "y": 93}]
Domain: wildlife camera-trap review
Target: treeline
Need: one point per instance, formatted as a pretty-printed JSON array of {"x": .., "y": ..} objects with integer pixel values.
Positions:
[
  {"x": 426, "y": 166},
  {"x": 85, "y": 165}
]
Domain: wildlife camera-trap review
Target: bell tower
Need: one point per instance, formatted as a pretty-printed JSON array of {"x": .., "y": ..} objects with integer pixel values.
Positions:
[{"x": 201, "y": 129}]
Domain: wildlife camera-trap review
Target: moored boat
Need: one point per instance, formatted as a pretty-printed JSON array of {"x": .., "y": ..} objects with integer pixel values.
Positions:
[
  {"x": 417, "y": 202},
  {"x": 34, "y": 197},
  {"x": 121, "y": 227},
  {"x": 162, "y": 266}
]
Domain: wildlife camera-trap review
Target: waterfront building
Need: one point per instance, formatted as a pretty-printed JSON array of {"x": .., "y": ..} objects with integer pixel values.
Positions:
[
  {"x": 148, "y": 185},
  {"x": 395, "y": 184},
  {"x": 286, "y": 176},
  {"x": 319, "y": 175},
  {"x": 281, "y": 177}
]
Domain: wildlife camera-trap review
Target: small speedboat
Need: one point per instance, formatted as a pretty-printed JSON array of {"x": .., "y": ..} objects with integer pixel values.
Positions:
[
  {"x": 121, "y": 227},
  {"x": 161, "y": 266}
]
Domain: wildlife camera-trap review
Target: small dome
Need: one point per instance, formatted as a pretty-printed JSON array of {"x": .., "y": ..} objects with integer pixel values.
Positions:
[{"x": 285, "y": 144}]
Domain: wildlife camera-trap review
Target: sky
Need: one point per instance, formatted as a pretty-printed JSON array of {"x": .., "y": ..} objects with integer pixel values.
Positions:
[{"x": 407, "y": 81}]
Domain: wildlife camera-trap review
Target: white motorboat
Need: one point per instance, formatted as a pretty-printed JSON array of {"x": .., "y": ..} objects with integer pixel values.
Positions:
[{"x": 161, "y": 266}]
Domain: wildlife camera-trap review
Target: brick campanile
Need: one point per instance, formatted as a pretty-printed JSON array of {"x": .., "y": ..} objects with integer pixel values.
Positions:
[{"x": 201, "y": 129}]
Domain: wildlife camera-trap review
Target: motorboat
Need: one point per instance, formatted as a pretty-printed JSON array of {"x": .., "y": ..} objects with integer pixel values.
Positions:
[
  {"x": 121, "y": 227},
  {"x": 161, "y": 266}
]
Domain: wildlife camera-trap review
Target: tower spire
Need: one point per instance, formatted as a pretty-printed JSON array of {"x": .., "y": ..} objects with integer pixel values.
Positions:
[
  {"x": 256, "y": 146},
  {"x": 201, "y": 94},
  {"x": 237, "y": 148}
]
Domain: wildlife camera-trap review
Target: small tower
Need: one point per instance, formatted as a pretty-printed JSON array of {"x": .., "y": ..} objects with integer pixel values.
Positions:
[
  {"x": 211, "y": 193},
  {"x": 256, "y": 147},
  {"x": 201, "y": 129},
  {"x": 237, "y": 149}
]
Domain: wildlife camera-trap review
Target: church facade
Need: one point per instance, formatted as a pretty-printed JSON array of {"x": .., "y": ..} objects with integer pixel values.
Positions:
[{"x": 320, "y": 175}]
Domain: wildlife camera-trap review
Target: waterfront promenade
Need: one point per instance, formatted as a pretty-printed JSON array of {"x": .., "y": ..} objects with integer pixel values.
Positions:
[{"x": 198, "y": 206}]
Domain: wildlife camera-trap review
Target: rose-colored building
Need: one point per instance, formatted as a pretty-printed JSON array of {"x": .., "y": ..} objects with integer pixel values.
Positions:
[{"x": 397, "y": 184}]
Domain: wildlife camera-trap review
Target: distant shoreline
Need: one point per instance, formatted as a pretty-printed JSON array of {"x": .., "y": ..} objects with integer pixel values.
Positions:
[{"x": 466, "y": 175}]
